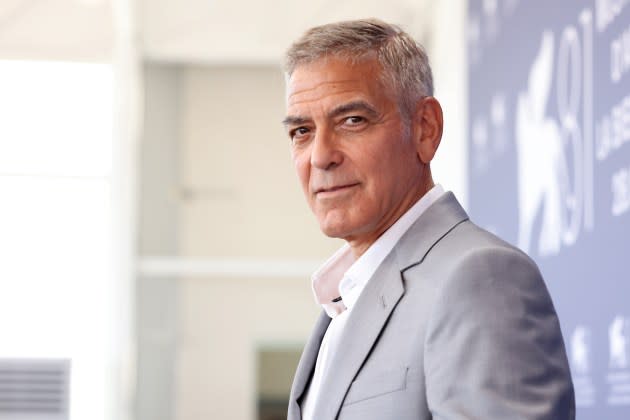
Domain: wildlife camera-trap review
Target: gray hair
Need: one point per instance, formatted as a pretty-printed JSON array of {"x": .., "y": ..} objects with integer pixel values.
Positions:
[{"x": 404, "y": 62}]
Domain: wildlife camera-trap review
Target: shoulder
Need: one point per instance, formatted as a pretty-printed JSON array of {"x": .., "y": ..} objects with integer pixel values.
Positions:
[
  {"x": 478, "y": 268},
  {"x": 470, "y": 254},
  {"x": 470, "y": 277},
  {"x": 493, "y": 322}
]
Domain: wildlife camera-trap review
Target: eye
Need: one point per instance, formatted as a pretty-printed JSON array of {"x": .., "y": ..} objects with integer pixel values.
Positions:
[
  {"x": 299, "y": 134},
  {"x": 354, "y": 120}
]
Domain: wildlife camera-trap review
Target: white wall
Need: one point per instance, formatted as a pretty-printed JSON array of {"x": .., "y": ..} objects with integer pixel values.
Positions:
[
  {"x": 157, "y": 297},
  {"x": 446, "y": 45}
]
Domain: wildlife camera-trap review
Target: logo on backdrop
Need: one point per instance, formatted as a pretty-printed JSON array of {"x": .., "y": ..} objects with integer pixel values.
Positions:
[
  {"x": 554, "y": 151},
  {"x": 553, "y": 137},
  {"x": 542, "y": 167}
]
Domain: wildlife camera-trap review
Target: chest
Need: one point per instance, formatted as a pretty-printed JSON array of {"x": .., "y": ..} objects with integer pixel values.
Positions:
[{"x": 390, "y": 382}]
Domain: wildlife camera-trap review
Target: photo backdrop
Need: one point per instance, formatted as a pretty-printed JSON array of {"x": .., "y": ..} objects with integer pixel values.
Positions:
[{"x": 549, "y": 163}]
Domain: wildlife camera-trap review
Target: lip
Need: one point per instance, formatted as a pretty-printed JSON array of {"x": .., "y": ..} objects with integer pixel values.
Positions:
[{"x": 333, "y": 191}]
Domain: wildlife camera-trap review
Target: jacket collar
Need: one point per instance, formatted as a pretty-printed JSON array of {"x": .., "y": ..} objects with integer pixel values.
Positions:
[{"x": 437, "y": 221}]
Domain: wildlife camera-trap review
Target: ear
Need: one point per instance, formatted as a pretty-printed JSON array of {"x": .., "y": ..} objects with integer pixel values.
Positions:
[{"x": 428, "y": 123}]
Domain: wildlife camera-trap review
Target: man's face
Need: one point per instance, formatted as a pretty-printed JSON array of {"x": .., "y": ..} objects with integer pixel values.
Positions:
[{"x": 356, "y": 161}]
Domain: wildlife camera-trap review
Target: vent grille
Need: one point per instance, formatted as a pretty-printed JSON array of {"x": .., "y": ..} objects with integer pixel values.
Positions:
[{"x": 34, "y": 389}]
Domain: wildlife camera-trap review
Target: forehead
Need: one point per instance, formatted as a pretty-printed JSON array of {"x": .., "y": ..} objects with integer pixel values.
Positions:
[{"x": 332, "y": 79}]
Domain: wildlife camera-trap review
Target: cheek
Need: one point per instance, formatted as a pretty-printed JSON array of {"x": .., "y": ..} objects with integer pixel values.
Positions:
[
  {"x": 302, "y": 169},
  {"x": 388, "y": 182}
]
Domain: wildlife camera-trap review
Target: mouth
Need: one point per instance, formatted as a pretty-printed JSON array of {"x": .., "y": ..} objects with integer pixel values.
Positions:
[{"x": 335, "y": 190}]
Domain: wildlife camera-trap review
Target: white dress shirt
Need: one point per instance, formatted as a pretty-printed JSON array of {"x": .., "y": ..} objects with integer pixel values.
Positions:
[{"x": 344, "y": 276}]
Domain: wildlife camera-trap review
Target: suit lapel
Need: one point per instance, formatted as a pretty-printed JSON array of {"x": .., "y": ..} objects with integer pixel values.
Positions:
[
  {"x": 364, "y": 325},
  {"x": 306, "y": 365}
]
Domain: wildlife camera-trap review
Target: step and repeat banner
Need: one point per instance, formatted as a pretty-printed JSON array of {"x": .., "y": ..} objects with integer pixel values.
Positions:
[{"x": 549, "y": 169}]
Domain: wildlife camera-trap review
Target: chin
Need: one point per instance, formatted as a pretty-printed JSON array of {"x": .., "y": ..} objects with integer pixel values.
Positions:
[
  {"x": 335, "y": 228},
  {"x": 339, "y": 223},
  {"x": 339, "y": 228},
  {"x": 333, "y": 231}
]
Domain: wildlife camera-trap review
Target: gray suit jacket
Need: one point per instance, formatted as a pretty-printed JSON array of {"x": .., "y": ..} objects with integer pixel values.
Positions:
[{"x": 455, "y": 324}]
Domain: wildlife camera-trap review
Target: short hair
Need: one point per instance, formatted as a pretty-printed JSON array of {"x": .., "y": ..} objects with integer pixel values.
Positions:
[{"x": 404, "y": 62}]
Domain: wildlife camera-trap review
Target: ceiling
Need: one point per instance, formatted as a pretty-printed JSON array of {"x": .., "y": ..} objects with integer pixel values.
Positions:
[{"x": 190, "y": 31}]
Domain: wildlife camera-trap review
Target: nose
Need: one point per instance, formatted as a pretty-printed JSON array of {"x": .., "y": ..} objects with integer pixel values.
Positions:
[{"x": 325, "y": 153}]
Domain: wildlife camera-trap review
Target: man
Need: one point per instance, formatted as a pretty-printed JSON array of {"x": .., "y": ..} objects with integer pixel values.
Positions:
[{"x": 426, "y": 316}]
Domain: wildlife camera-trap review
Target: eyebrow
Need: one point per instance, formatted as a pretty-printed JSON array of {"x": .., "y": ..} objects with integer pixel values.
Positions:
[
  {"x": 339, "y": 110},
  {"x": 353, "y": 106},
  {"x": 295, "y": 120}
]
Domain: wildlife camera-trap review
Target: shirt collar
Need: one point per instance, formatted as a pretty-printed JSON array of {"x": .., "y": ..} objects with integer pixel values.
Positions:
[{"x": 344, "y": 276}]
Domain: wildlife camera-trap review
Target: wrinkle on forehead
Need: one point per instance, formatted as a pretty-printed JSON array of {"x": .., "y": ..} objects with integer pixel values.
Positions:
[
  {"x": 322, "y": 90},
  {"x": 314, "y": 83},
  {"x": 325, "y": 79}
]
